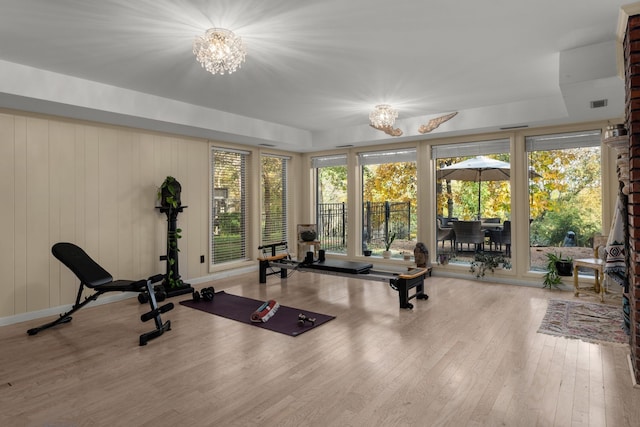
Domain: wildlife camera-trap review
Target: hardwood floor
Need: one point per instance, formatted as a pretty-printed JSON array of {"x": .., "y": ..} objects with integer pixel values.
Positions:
[{"x": 468, "y": 356}]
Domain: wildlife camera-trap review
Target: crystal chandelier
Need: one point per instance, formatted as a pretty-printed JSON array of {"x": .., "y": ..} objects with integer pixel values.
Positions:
[
  {"x": 219, "y": 51},
  {"x": 383, "y": 116}
]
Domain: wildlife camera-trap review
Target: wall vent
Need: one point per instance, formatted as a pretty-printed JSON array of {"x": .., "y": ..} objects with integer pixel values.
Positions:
[{"x": 599, "y": 103}]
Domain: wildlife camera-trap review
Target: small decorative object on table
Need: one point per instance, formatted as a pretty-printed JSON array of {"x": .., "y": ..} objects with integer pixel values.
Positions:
[{"x": 421, "y": 255}]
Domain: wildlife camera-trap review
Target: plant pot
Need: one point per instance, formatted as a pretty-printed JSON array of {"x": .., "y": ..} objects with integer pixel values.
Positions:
[
  {"x": 565, "y": 268},
  {"x": 386, "y": 254},
  {"x": 444, "y": 259},
  {"x": 366, "y": 252},
  {"x": 170, "y": 191},
  {"x": 308, "y": 236}
]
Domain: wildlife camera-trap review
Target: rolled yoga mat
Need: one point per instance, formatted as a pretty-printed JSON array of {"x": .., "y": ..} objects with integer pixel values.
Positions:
[{"x": 265, "y": 311}]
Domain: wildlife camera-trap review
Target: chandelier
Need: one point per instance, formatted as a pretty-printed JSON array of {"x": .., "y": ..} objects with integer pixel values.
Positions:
[
  {"x": 219, "y": 51},
  {"x": 383, "y": 116}
]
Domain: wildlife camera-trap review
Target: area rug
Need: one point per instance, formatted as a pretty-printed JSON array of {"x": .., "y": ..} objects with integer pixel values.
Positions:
[
  {"x": 590, "y": 322},
  {"x": 284, "y": 321}
]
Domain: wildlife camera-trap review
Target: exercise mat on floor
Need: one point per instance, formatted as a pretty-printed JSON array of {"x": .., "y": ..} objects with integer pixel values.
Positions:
[{"x": 235, "y": 307}]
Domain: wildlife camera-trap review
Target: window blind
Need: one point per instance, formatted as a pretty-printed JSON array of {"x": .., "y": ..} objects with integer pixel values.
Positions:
[
  {"x": 274, "y": 206},
  {"x": 228, "y": 205},
  {"x": 470, "y": 149},
  {"x": 327, "y": 161},
  {"x": 390, "y": 156},
  {"x": 563, "y": 141}
]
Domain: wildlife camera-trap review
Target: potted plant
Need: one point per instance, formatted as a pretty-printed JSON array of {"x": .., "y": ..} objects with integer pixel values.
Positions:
[
  {"x": 484, "y": 262},
  {"x": 387, "y": 245},
  {"x": 308, "y": 236},
  {"x": 169, "y": 193},
  {"x": 557, "y": 266},
  {"x": 564, "y": 266}
]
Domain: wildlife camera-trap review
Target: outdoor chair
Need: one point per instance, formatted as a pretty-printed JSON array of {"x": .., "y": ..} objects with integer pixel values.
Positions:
[
  {"x": 501, "y": 237},
  {"x": 93, "y": 276},
  {"x": 445, "y": 233},
  {"x": 469, "y": 232}
]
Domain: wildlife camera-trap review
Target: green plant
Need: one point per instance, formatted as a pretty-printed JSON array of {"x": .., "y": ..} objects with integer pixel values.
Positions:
[
  {"x": 551, "y": 278},
  {"x": 169, "y": 192},
  {"x": 387, "y": 243},
  {"x": 483, "y": 262}
]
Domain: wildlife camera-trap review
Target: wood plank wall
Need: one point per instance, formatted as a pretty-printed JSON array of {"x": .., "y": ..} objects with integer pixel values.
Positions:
[{"x": 95, "y": 186}]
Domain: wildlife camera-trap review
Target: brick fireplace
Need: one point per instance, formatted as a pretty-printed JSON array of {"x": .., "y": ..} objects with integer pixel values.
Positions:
[{"x": 630, "y": 38}]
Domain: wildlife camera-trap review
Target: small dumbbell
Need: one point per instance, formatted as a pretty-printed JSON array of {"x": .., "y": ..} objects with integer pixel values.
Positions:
[
  {"x": 302, "y": 319},
  {"x": 206, "y": 294}
]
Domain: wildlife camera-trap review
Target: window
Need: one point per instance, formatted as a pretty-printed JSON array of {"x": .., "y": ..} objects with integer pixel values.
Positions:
[
  {"x": 228, "y": 205},
  {"x": 389, "y": 189},
  {"x": 331, "y": 202},
  {"x": 565, "y": 200},
  {"x": 473, "y": 184},
  {"x": 273, "y": 219}
]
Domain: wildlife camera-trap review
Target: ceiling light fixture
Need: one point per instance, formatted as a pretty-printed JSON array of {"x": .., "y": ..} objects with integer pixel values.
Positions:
[
  {"x": 219, "y": 51},
  {"x": 383, "y": 116}
]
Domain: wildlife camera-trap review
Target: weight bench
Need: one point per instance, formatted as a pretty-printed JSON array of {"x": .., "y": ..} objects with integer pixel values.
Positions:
[
  {"x": 269, "y": 254},
  {"x": 93, "y": 276}
]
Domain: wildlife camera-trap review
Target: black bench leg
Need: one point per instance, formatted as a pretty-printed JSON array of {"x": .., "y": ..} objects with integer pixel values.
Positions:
[
  {"x": 155, "y": 315},
  {"x": 263, "y": 271}
]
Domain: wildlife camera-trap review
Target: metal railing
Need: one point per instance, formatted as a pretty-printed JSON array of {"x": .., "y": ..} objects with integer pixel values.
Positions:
[
  {"x": 332, "y": 226},
  {"x": 379, "y": 219}
]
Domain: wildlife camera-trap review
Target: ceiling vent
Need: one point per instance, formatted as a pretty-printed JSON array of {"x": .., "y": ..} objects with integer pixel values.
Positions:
[
  {"x": 600, "y": 103},
  {"x": 514, "y": 127},
  {"x": 344, "y": 146},
  {"x": 266, "y": 145}
]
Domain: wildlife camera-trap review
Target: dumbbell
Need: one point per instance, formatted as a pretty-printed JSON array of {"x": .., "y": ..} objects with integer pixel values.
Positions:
[
  {"x": 206, "y": 294},
  {"x": 302, "y": 319}
]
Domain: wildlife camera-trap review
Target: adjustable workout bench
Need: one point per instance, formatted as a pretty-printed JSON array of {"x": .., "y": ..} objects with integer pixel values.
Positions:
[{"x": 95, "y": 277}]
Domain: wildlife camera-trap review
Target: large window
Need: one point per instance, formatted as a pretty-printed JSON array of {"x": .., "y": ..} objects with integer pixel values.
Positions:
[
  {"x": 389, "y": 189},
  {"x": 228, "y": 205},
  {"x": 331, "y": 196},
  {"x": 273, "y": 224},
  {"x": 473, "y": 199},
  {"x": 565, "y": 202}
]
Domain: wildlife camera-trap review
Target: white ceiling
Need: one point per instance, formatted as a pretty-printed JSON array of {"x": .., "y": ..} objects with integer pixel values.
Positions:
[{"x": 314, "y": 68}]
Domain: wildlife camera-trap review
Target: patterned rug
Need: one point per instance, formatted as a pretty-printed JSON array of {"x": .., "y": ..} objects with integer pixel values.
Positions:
[{"x": 590, "y": 322}]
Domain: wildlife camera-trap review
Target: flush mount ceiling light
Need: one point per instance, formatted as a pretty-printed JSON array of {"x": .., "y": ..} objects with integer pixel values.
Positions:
[
  {"x": 219, "y": 51},
  {"x": 383, "y": 117}
]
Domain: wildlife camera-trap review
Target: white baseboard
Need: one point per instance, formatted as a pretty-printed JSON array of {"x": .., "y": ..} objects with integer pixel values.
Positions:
[
  {"x": 52, "y": 311},
  {"x": 106, "y": 299}
]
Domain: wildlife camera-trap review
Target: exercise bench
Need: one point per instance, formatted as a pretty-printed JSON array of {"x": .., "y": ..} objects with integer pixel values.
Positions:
[
  {"x": 270, "y": 254},
  {"x": 93, "y": 276}
]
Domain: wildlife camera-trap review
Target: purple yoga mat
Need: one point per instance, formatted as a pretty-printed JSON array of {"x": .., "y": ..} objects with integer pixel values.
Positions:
[{"x": 235, "y": 307}]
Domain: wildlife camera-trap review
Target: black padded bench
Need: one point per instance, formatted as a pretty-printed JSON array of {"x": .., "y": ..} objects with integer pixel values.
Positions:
[{"x": 93, "y": 276}]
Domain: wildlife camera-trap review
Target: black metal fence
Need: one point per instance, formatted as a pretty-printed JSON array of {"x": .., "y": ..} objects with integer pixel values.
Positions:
[
  {"x": 379, "y": 220},
  {"x": 332, "y": 226}
]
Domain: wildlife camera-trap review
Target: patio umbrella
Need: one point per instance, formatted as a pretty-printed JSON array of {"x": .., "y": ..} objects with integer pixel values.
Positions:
[{"x": 478, "y": 169}]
